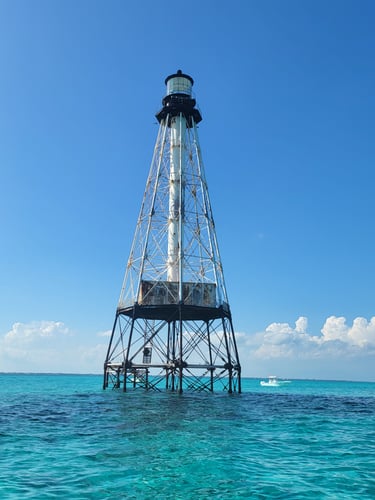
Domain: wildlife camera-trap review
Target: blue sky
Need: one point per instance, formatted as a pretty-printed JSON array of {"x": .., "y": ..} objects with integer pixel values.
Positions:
[{"x": 286, "y": 90}]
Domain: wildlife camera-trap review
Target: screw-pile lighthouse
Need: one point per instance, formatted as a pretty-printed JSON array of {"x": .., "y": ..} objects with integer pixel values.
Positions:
[{"x": 173, "y": 326}]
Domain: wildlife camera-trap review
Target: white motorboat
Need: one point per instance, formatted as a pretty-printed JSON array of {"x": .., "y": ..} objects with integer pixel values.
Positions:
[{"x": 271, "y": 382}]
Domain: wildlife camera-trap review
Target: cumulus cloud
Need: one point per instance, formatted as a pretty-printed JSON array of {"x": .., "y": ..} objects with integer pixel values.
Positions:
[
  {"x": 30, "y": 332},
  {"x": 282, "y": 340},
  {"x": 51, "y": 346},
  {"x": 361, "y": 333},
  {"x": 48, "y": 346},
  {"x": 301, "y": 324}
]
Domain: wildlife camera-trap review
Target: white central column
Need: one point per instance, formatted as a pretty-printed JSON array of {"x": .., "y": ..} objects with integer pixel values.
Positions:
[{"x": 176, "y": 197}]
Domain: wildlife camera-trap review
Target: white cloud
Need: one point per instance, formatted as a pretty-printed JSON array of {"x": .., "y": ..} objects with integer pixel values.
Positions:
[
  {"x": 361, "y": 333},
  {"x": 48, "y": 346},
  {"x": 301, "y": 324},
  {"x": 340, "y": 350},
  {"x": 107, "y": 333},
  {"x": 29, "y": 332},
  {"x": 283, "y": 348},
  {"x": 335, "y": 329},
  {"x": 337, "y": 339}
]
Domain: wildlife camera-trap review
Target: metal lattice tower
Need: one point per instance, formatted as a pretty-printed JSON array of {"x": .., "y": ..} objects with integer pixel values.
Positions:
[{"x": 173, "y": 326}]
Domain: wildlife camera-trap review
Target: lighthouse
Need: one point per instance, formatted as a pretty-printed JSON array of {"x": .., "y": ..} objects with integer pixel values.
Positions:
[{"x": 173, "y": 326}]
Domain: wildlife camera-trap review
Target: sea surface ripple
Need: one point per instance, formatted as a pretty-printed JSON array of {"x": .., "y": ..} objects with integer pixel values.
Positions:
[{"x": 63, "y": 437}]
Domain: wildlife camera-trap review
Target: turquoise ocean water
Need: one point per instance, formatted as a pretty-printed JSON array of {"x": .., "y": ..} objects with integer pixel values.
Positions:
[{"x": 61, "y": 436}]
